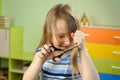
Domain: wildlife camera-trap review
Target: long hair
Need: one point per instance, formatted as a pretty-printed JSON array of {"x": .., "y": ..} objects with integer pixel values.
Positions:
[{"x": 66, "y": 12}]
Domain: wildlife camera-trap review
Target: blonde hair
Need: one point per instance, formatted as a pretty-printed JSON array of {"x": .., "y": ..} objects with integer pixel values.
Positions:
[{"x": 66, "y": 12}]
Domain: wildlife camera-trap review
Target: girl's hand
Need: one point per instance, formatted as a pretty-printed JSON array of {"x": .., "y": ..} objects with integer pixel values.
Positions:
[
  {"x": 46, "y": 52},
  {"x": 79, "y": 38}
]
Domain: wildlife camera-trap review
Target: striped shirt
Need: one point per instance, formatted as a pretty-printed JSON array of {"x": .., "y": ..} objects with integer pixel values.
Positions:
[{"x": 62, "y": 70}]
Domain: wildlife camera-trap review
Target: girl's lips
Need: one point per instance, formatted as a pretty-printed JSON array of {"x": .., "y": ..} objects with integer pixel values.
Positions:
[{"x": 65, "y": 47}]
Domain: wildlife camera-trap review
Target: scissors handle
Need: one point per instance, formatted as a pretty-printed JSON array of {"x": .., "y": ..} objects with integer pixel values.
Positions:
[{"x": 62, "y": 53}]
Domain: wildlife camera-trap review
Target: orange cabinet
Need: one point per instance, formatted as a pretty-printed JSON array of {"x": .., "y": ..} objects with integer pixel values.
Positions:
[
  {"x": 102, "y": 35},
  {"x": 103, "y": 44}
]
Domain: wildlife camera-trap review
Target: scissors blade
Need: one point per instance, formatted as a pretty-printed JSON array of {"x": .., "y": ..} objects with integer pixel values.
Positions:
[
  {"x": 59, "y": 56},
  {"x": 66, "y": 50}
]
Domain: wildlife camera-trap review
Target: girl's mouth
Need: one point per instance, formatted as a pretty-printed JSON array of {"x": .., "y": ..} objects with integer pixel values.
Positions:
[{"x": 65, "y": 47}]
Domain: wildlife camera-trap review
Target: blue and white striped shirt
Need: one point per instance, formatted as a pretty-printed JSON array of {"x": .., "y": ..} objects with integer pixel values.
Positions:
[{"x": 62, "y": 70}]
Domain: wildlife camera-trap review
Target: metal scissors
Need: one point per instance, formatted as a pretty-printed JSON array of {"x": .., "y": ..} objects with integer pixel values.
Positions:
[{"x": 63, "y": 51}]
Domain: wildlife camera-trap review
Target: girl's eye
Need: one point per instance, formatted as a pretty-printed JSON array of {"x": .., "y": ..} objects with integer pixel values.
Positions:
[{"x": 61, "y": 36}]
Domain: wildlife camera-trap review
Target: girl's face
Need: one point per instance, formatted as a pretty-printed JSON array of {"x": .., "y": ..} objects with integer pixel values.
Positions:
[{"x": 60, "y": 36}]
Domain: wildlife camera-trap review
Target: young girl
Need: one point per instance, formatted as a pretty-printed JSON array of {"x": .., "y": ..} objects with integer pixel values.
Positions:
[{"x": 61, "y": 31}]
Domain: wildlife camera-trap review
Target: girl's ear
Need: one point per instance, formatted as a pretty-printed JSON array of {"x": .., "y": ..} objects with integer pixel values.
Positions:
[{"x": 72, "y": 35}]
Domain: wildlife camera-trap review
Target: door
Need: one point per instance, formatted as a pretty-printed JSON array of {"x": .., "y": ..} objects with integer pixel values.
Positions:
[{"x": 4, "y": 42}]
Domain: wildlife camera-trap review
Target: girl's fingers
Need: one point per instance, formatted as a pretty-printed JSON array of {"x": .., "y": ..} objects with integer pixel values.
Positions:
[
  {"x": 40, "y": 54},
  {"x": 47, "y": 48},
  {"x": 79, "y": 33},
  {"x": 79, "y": 37},
  {"x": 46, "y": 51}
]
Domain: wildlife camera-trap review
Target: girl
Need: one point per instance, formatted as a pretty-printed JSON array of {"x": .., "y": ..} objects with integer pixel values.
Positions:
[{"x": 61, "y": 31}]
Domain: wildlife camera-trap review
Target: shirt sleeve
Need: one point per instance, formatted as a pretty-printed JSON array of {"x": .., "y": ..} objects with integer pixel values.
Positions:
[{"x": 38, "y": 50}]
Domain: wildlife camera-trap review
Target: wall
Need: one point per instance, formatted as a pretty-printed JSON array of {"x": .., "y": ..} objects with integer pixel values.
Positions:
[
  {"x": 0, "y": 7},
  {"x": 31, "y": 15}
]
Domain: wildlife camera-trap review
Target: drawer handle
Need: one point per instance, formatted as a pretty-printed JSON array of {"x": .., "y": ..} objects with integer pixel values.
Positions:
[
  {"x": 115, "y": 67},
  {"x": 117, "y": 37},
  {"x": 86, "y": 35},
  {"x": 116, "y": 52},
  {"x": 87, "y": 49}
]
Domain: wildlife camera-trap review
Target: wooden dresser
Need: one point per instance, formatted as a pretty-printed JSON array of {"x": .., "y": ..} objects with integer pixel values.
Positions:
[{"x": 103, "y": 44}]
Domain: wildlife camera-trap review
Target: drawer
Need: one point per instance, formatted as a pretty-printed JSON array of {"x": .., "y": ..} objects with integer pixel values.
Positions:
[
  {"x": 107, "y": 66},
  {"x": 104, "y": 51},
  {"x": 104, "y": 76},
  {"x": 99, "y": 35}
]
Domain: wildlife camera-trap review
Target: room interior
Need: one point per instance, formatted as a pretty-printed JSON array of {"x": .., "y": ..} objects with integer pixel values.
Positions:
[{"x": 27, "y": 18}]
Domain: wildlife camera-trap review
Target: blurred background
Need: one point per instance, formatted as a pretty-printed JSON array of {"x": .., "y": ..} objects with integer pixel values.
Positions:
[
  {"x": 31, "y": 14},
  {"x": 21, "y": 37}
]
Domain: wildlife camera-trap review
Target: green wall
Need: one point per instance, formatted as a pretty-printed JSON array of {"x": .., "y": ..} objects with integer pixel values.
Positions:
[
  {"x": 31, "y": 15},
  {"x": 0, "y": 7}
]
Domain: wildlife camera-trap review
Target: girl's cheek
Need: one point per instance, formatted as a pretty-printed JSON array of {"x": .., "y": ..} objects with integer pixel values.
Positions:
[{"x": 60, "y": 41}]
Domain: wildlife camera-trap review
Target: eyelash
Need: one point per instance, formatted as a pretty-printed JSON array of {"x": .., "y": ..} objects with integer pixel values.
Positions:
[{"x": 61, "y": 36}]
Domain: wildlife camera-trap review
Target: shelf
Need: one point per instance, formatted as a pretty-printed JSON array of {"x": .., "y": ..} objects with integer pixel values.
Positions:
[
  {"x": 17, "y": 71},
  {"x": 11, "y": 40},
  {"x": 23, "y": 56},
  {"x": 4, "y": 57}
]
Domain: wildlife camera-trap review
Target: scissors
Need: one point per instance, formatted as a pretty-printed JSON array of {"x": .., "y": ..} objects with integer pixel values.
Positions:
[{"x": 63, "y": 51}]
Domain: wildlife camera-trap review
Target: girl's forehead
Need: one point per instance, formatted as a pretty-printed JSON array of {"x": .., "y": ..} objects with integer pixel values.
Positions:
[{"x": 59, "y": 31}]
